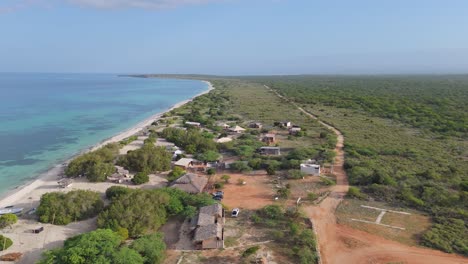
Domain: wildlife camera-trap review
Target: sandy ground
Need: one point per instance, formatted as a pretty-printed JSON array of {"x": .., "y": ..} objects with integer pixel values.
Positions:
[
  {"x": 255, "y": 194},
  {"x": 342, "y": 244},
  {"x": 29, "y": 195}
]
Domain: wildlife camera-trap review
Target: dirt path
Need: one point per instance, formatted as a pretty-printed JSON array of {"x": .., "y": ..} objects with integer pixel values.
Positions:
[{"x": 342, "y": 244}]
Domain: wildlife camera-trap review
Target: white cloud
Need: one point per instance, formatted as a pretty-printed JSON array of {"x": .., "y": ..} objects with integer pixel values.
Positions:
[{"x": 151, "y": 4}]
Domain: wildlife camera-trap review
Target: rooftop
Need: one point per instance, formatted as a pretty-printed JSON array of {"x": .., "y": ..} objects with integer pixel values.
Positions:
[{"x": 190, "y": 183}]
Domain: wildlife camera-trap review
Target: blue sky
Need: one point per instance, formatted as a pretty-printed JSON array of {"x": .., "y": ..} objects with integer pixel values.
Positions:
[{"x": 234, "y": 36}]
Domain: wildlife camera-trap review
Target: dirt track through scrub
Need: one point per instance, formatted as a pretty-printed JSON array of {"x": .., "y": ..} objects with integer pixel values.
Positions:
[{"x": 342, "y": 244}]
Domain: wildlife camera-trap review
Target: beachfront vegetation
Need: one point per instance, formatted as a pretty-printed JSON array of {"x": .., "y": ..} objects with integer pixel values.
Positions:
[
  {"x": 63, "y": 208},
  {"x": 141, "y": 211},
  {"x": 95, "y": 165},
  {"x": 106, "y": 246},
  {"x": 405, "y": 141},
  {"x": 8, "y": 220},
  {"x": 191, "y": 140},
  {"x": 5, "y": 242},
  {"x": 140, "y": 178},
  {"x": 147, "y": 159},
  {"x": 297, "y": 239}
]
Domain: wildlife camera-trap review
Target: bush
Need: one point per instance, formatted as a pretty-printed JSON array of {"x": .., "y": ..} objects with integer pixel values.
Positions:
[
  {"x": 295, "y": 174},
  {"x": 240, "y": 166},
  {"x": 327, "y": 181},
  {"x": 5, "y": 243},
  {"x": 312, "y": 196},
  {"x": 218, "y": 185},
  {"x": 240, "y": 181},
  {"x": 354, "y": 192},
  {"x": 226, "y": 178},
  {"x": 62, "y": 208},
  {"x": 211, "y": 171},
  {"x": 140, "y": 178},
  {"x": 115, "y": 191},
  {"x": 8, "y": 220},
  {"x": 151, "y": 247},
  {"x": 250, "y": 251},
  {"x": 175, "y": 174},
  {"x": 148, "y": 158}
]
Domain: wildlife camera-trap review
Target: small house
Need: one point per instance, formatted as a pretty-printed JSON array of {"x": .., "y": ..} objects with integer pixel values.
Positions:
[
  {"x": 269, "y": 138},
  {"x": 121, "y": 175},
  {"x": 294, "y": 130},
  {"x": 256, "y": 125},
  {"x": 193, "y": 124},
  {"x": 284, "y": 123},
  {"x": 184, "y": 163},
  {"x": 310, "y": 169},
  {"x": 275, "y": 151},
  {"x": 237, "y": 129},
  {"x": 209, "y": 232},
  {"x": 190, "y": 183}
]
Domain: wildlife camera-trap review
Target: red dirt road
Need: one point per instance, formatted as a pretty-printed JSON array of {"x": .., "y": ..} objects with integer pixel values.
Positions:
[{"x": 342, "y": 244}]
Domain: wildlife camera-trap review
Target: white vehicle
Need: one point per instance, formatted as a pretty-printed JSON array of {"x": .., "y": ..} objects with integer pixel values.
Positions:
[{"x": 235, "y": 212}]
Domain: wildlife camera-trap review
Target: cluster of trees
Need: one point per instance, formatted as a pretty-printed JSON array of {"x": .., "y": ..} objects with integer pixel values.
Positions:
[
  {"x": 191, "y": 140},
  {"x": 422, "y": 167},
  {"x": 139, "y": 211},
  {"x": 62, "y": 208},
  {"x": 147, "y": 159},
  {"x": 106, "y": 246},
  {"x": 96, "y": 165},
  {"x": 288, "y": 229}
]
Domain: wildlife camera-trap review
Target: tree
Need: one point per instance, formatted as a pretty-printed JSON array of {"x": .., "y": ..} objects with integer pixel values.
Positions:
[
  {"x": 115, "y": 191},
  {"x": 152, "y": 247},
  {"x": 284, "y": 192},
  {"x": 127, "y": 256},
  {"x": 62, "y": 208},
  {"x": 295, "y": 174},
  {"x": 271, "y": 170},
  {"x": 138, "y": 211},
  {"x": 226, "y": 178},
  {"x": 5, "y": 243},
  {"x": 211, "y": 171},
  {"x": 209, "y": 156},
  {"x": 240, "y": 167},
  {"x": 99, "y": 246},
  {"x": 140, "y": 178},
  {"x": 175, "y": 173},
  {"x": 148, "y": 158},
  {"x": 8, "y": 220}
]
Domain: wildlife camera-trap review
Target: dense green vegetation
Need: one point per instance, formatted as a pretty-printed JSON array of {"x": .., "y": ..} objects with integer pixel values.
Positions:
[
  {"x": 437, "y": 103},
  {"x": 405, "y": 141},
  {"x": 5, "y": 243},
  {"x": 105, "y": 246},
  {"x": 63, "y": 208},
  {"x": 8, "y": 220},
  {"x": 290, "y": 231},
  {"x": 95, "y": 165},
  {"x": 191, "y": 140},
  {"x": 147, "y": 159},
  {"x": 142, "y": 211}
]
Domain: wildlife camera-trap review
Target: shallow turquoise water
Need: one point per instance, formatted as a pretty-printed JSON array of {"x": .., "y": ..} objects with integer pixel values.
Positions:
[{"x": 47, "y": 118}]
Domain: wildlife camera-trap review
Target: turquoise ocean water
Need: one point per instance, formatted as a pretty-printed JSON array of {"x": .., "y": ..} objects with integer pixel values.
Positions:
[{"x": 47, "y": 118}]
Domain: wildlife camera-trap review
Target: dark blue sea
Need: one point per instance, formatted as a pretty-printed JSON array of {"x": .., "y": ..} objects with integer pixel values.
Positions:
[{"x": 47, "y": 118}]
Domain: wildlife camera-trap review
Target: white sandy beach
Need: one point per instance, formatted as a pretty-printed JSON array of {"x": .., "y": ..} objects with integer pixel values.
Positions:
[{"x": 28, "y": 197}]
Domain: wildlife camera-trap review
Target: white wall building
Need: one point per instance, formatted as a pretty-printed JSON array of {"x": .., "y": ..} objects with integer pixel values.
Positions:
[{"x": 311, "y": 169}]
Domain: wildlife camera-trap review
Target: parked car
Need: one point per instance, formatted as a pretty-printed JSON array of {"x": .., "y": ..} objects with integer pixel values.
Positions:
[
  {"x": 217, "y": 198},
  {"x": 38, "y": 230},
  {"x": 235, "y": 212},
  {"x": 10, "y": 206},
  {"x": 219, "y": 193}
]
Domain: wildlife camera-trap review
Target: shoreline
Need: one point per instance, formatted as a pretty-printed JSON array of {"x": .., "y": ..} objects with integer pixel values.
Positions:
[{"x": 53, "y": 173}]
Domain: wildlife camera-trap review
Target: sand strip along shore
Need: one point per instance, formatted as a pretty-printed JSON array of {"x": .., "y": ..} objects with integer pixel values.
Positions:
[{"x": 43, "y": 181}]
